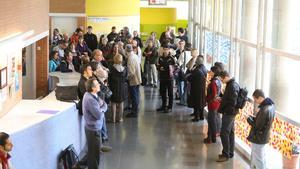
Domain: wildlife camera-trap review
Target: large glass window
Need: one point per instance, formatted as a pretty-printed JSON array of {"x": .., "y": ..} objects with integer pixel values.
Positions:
[
  {"x": 284, "y": 25},
  {"x": 249, "y": 20},
  {"x": 209, "y": 11},
  {"x": 258, "y": 42},
  {"x": 224, "y": 16},
  {"x": 247, "y": 73},
  {"x": 284, "y": 85}
]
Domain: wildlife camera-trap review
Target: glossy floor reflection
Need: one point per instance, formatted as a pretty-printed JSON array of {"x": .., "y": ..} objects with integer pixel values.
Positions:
[{"x": 163, "y": 141}]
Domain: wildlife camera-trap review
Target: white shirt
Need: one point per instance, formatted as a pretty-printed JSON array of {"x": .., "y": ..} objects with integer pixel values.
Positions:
[{"x": 181, "y": 62}]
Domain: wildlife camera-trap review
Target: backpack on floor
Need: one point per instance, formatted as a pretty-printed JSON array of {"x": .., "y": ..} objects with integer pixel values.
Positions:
[
  {"x": 68, "y": 158},
  {"x": 242, "y": 98}
]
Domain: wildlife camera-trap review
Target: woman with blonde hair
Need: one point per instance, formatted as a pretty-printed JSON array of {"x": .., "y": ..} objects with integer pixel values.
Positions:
[{"x": 116, "y": 81}]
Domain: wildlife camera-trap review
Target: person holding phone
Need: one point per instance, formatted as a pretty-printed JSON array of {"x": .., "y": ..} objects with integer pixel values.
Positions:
[{"x": 261, "y": 125}]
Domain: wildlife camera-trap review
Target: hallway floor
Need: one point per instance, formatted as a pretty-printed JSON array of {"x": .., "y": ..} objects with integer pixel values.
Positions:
[{"x": 163, "y": 141}]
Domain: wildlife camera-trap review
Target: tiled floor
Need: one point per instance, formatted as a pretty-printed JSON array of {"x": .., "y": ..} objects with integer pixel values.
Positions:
[{"x": 163, "y": 141}]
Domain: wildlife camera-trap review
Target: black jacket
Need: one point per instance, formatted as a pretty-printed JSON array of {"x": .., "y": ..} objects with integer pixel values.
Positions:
[
  {"x": 198, "y": 86},
  {"x": 112, "y": 37},
  {"x": 139, "y": 41},
  {"x": 184, "y": 37},
  {"x": 262, "y": 123},
  {"x": 165, "y": 67},
  {"x": 91, "y": 41},
  {"x": 64, "y": 67},
  {"x": 229, "y": 98},
  {"x": 153, "y": 57},
  {"x": 116, "y": 83},
  {"x": 80, "y": 91}
]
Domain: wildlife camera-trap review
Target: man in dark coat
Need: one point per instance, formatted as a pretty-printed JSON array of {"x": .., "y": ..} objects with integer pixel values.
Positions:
[
  {"x": 261, "y": 125},
  {"x": 113, "y": 35},
  {"x": 229, "y": 111},
  {"x": 198, "y": 87},
  {"x": 165, "y": 67},
  {"x": 90, "y": 39},
  {"x": 85, "y": 75}
]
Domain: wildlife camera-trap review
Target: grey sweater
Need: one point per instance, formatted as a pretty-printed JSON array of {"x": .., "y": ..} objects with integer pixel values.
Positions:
[{"x": 93, "y": 111}]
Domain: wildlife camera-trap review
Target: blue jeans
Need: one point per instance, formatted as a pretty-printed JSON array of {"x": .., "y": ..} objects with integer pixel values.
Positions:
[
  {"x": 135, "y": 98},
  {"x": 104, "y": 134},
  {"x": 181, "y": 85}
]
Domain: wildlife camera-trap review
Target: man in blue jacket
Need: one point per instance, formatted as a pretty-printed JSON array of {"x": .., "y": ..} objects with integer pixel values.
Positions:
[{"x": 93, "y": 111}]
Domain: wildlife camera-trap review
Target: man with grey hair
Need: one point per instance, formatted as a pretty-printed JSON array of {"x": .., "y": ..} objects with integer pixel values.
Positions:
[
  {"x": 197, "y": 98},
  {"x": 134, "y": 78}
]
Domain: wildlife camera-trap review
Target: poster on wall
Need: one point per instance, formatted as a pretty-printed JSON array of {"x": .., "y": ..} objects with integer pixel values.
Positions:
[
  {"x": 3, "y": 78},
  {"x": 157, "y": 2}
]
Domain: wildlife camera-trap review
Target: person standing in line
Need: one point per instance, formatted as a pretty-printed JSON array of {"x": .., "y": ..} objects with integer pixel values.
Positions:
[
  {"x": 93, "y": 111},
  {"x": 86, "y": 74},
  {"x": 134, "y": 78},
  {"x": 90, "y": 39},
  {"x": 261, "y": 125},
  {"x": 198, "y": 88},
  {"x": 213, "y": 102},
  {"x": 116, "y": 81},
  {"x": 166, "y": 64},
  {"x": 229, "y": 111},
  {"x": 151, "y": 55}
]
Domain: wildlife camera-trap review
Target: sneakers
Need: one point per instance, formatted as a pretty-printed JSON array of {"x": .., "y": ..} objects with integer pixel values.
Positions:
[
  {"x": 160, "y": 109},
  {"x": 105, "y": 149},
  {"x": 222, "y": 158}
]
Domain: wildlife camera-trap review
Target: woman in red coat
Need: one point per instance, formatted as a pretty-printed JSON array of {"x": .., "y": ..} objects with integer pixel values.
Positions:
[{"x": 213, "y": 102}]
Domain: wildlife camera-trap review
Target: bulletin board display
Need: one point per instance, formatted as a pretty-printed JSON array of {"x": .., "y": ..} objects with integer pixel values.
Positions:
[
  {"x": 10, "y": 76},
  {"x": 284, "y": 136}
]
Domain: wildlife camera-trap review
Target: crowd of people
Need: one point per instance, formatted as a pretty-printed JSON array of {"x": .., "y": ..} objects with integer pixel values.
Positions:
[{"x": 114, "y": 62}]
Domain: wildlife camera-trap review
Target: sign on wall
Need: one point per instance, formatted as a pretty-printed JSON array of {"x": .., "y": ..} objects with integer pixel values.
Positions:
[{"x": 157, "y": 2}]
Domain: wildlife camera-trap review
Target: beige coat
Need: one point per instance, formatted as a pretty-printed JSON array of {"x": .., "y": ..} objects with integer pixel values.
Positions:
[{"x": 134, "y": 70}]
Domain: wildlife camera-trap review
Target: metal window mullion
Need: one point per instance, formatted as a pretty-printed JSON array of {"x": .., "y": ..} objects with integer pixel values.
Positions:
[
  {"x": 237, "y": 32},
  {"x": 232, "y": 30},
  {"x": 259, "y": 42}
]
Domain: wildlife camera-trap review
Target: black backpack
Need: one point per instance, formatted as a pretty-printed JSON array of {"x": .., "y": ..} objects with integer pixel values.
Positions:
[
  {"x": 242, "y": 98},
  {"x": 68, "y": 159}
]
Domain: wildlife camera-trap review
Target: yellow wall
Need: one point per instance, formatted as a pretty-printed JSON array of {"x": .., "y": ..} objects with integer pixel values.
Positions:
[
  {"x": 112, "y": 7},
  {"x": 158, "y": 16}
]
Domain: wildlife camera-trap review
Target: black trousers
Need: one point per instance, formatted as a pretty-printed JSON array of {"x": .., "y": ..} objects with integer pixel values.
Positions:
[
  {"x": 212, "y": 125},
  {"x": 198, "y": 112},
  {"x": 166, "y": 88},
  {"x": 227, "y": 135},
  {"x": 93, "y": 139}
]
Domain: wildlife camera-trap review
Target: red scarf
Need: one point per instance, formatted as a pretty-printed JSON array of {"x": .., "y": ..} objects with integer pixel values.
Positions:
[{"x": 4, "y": 159}]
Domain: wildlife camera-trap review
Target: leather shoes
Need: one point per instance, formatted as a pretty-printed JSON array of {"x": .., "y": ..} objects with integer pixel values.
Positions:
[
  {"x": 160, "y": 109},
  {"x": 222, "y": 158}
]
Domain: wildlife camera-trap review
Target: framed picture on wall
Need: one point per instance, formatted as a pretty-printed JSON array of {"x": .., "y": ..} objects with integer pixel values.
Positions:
[
  {"x": 157, "y": 2},
  {"x": 3, "y": 78}
]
